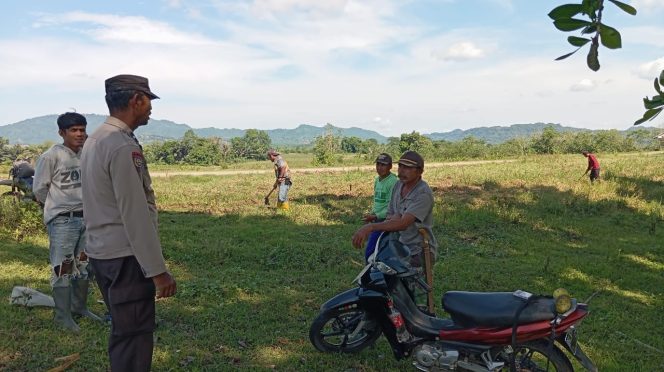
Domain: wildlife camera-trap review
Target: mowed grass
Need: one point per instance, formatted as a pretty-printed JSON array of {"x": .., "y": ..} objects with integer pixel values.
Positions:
[{"x": 250, "y": 279}]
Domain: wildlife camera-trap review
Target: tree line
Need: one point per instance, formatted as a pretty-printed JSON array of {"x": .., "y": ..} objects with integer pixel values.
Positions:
[{"x": 329, "y": 148}]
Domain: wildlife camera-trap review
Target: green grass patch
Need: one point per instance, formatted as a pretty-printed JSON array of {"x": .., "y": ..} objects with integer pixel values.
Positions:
[{"x": 251, "y": 280}]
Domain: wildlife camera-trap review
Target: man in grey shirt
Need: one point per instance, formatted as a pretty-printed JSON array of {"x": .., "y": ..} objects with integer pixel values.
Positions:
[
  {"x": 121, "y": 221},
  {"x": 410, "y": 209},
  {"x": 57, "y": 186}
]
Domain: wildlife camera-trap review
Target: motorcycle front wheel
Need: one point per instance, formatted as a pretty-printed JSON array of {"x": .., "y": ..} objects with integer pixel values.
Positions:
[
  {"x": 539, "y": 356},
  {"x": 344, "y": 331}
]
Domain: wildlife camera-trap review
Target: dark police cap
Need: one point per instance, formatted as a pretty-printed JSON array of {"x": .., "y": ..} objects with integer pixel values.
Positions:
[
  {"x": 411, "y": 159},
  {"x": 129, "y": 82},
  {"x": 384, "y": 159}
]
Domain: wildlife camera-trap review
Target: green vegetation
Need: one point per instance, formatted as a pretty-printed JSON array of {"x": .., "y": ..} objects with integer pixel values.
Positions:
[{"x": 251, "y": 280}]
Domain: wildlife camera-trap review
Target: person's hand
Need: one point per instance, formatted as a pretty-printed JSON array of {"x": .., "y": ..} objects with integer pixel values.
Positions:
[
  {"x": 165, "y": 285},
  {"x": 361, "y": 235},
  {"x": 369, "y": 218}
]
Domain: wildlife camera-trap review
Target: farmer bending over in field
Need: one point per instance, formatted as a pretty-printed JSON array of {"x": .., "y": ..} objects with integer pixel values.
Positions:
[
  {"x": 383, "y": 185},
  {"x": 410, "y": 209},
  {"x": 283, "y": 181},
  {"x": 57, "y": 186},
  {"x": 593, "y": 166}
]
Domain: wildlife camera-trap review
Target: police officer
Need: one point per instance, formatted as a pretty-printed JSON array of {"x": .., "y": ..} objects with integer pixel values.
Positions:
[{"x": 121, "y": 221}]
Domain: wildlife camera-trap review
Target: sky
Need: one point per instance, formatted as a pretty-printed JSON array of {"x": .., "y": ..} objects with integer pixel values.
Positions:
[{"x": 393, "y": 66}]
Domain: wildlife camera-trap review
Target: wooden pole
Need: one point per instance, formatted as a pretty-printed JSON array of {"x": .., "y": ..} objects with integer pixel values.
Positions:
[{"x": 428, "y": 268}]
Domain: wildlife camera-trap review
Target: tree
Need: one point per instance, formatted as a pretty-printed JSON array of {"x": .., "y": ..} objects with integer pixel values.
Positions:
[
  {"x": 325, "y": 148},
  {"x": 416, "y": 142},
  {"x": 563, "y": 19},
  {"x": 352, "y": 144},
  {"x": 548, "y": 142},
  {"x": 253, "y": 145}
]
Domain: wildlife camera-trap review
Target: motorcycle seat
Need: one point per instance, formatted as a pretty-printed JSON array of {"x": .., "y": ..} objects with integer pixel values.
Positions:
[{"x": 494, "y": 309}]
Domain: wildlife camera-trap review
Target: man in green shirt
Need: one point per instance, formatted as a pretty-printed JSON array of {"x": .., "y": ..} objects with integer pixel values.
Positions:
[{"x": 383, "y": 185}]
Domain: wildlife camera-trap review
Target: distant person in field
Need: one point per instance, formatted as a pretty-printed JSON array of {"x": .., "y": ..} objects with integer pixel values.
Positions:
[
  {"x": 283, "y": 180},
  {"x": 383, "y": 185},
  {"x": 593, "y": 166},
  {"x": 57, "y": 186},
  {"x": 122, "y": 224}
]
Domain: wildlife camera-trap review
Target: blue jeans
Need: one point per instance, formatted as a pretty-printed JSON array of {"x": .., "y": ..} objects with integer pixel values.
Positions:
[
  {"x": 66, "y": 236},
  {"x": 283, "y": 192}
]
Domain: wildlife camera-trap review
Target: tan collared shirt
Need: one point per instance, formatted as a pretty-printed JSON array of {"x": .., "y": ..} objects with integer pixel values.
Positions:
[{"x": 118, "y": 200}]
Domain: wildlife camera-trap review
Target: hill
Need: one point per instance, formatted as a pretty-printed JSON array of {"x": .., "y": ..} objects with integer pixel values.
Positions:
[
  {"x": 498, "y": 134},
  {"x": 41, "y": 129}
]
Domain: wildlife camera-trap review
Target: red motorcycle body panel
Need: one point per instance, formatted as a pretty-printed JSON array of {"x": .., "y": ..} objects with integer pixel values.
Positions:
[{"x": 503, "y": 335}]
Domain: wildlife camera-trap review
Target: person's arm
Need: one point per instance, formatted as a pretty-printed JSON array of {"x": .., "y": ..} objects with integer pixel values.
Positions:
[
  {"x": 42, "y": 179},
  {"x": 395, "y": 223},
  {"x": 134, "y": 211}
]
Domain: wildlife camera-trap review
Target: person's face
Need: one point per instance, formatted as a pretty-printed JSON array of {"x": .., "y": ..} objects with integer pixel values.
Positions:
[
  {"x": 74, "y": 137},
  {"x": 143, "y": 108},
  {"x": 409, "y": 175},
  {"x": 383, "y": 170}
]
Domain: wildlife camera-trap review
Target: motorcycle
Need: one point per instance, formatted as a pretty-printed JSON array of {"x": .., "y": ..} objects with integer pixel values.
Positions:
[
  {"x": 20, "y": 180},
  {"x": 486, "y": 331}
]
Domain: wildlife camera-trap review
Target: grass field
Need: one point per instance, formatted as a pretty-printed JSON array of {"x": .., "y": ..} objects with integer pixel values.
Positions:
[{"x": 250, "y": 279}]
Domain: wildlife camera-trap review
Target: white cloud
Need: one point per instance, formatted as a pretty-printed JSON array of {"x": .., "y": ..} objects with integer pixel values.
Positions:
[
  {"x": 128, "y": 29},
  {"x": 585, "y": 85},
  {"x": 461, "y": 51},
  {"x": 648, "y": 4},
  {"x": 651, "y": 69},
  {"x": 644, "y": 35}
]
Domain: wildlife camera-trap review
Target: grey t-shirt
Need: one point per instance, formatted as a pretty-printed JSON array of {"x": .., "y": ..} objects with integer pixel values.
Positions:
[
  {"x": 419, "y": 203},
  {"x": 57, "y": 181}
]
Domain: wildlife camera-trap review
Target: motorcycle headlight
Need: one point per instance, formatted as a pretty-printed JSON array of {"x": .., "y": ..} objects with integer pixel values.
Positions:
[
  {"x": 563, "y": 300},
  {"x": 383, "y": 268}
]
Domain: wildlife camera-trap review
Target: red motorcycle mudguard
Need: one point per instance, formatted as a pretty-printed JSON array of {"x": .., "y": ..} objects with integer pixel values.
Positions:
[{"x": 503, "y": 335}]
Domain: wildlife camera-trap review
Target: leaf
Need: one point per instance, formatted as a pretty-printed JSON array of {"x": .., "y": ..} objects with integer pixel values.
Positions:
[
  {"x": 593, "y": 57},
  {"x": 589, "y": 30},
  {"x": 655, "y": 102},
  {"x": 610, "y": 37},
  {"x": 570, "y": 24},
  {"x": 649, "y": 115},
  {"x": 577, "y": 41},
  {"x": 657, "y": 88},
  {"x": 565, "y": 11},
  {"x": 661, "y": 77},
  {"x": 566, "y": 55},
  {"x": 626, "y": 8}
]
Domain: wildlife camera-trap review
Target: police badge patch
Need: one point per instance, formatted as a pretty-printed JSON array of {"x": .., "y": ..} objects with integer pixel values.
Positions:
[{"x": 139, "y": 160}]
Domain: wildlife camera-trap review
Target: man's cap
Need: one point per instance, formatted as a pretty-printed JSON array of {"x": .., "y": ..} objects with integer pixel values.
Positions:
[
  {"x": 411, "y": 159},
  {"x": 384, "y": 159},
  {"x": 129, "y": 82},
  {"x": 273, "y": 152}
]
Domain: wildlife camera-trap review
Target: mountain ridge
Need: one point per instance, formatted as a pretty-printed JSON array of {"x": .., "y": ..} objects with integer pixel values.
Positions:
[{"x": 43, "y": 128}]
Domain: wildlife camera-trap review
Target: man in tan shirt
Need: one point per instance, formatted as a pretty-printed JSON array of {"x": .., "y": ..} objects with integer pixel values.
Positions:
[{"x": 121, "y": 223}]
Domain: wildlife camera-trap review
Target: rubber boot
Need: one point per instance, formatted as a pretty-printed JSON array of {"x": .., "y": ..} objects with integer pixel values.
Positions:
[
  {"x": 283, "y": 205},
  {"x": 80, "y": 298},
  {"x": 62, "y": 309}
]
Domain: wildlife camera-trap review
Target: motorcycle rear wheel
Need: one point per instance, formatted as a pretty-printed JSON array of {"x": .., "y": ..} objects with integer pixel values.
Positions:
[
  {"x": 536, "y": 356},
  {"x": 344, "y": 331}
]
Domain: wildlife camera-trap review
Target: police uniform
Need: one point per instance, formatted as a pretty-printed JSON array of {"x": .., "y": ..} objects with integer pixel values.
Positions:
[{"x": 123, "y": 241}]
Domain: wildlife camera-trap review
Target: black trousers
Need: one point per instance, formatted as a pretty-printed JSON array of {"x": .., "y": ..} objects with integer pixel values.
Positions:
[{"x": 130, "y": 299}]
